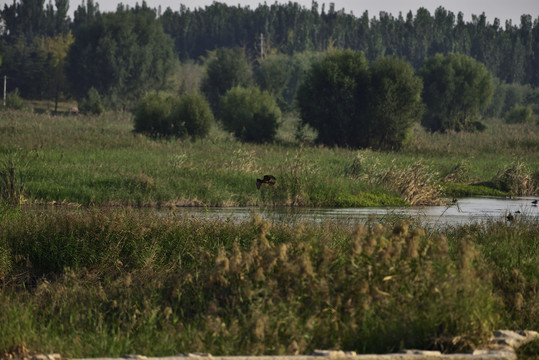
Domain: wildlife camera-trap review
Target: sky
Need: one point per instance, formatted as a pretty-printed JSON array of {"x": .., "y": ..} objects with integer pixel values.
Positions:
[{"x": 501, "y": 9}]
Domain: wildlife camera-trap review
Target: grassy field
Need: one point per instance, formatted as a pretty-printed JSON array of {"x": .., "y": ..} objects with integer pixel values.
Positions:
[
  {"x": 98, "y": 160},
  {"x": 106, "y": 276}
]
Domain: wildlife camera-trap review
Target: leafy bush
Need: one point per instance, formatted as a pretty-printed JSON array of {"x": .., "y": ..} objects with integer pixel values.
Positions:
[
  {"x": 153, "y": 116},
  {"x": 251, "y": 114},
  {"x": 14, "y": 100},
  {"x": 394, "y": 102},
  {"x": 92, "y": 103},
  {"x": 519, "y": 115},
  {"x": 193, "y": 112},
  {"x": 163, "y": 114},
  {"x": 456, "y": 89}
]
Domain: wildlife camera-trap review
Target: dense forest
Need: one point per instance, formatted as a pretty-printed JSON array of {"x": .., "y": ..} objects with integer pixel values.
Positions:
[
  {"x": 36, "y": 40},
  {"x": 510, "y": 52}
]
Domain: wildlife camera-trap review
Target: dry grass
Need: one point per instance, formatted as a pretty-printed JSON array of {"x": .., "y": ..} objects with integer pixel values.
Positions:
[
  {"x": 415, "y": 184},
  {"x": 517, "y": 180},
  {"x": 131, "y": 282}
]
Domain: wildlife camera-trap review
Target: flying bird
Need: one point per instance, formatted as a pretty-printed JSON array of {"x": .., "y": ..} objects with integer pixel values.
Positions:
[{"x": 266, "y": 180}]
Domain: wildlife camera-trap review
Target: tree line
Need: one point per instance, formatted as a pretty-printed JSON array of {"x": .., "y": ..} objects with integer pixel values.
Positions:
[
  {"x": 359, "y": 82},
  {"x": 509, "y": 51}
]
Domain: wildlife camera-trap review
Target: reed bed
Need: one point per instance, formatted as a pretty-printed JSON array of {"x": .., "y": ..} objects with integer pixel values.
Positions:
[{"x": 97, "y": 282}]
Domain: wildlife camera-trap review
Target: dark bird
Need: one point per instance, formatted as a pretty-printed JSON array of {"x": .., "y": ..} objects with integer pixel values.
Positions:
[
  {"x": 266, "y": 180},
  {"x": 534, "y": 202},
  {"x": 510, "y": 217}
]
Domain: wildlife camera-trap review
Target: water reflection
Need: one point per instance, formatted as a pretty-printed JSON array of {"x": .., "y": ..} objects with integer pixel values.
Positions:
[{"x": 464, "y": 211}]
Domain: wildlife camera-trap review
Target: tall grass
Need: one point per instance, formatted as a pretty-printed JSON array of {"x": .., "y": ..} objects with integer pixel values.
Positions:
[{"x": 110, "y": 283}]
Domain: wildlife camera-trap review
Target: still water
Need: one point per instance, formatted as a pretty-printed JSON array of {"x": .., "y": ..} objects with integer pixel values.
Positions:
[{"x": 464, "y": 211}]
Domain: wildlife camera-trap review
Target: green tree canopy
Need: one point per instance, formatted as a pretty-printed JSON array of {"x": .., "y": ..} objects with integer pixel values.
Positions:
[
  {"x": 251, "y": 114},
  {"x": 332, "y": 96},
  {"x": 456, "y": 89},
  {"x": 226, "y": 69},
  {"x": 352, "y": 104},
  {"x": 193, "y": 112},
  {"x": 395, "y": 102},
  {"x": 153, "y": 115},
  {"x": 122, "y": 55}
]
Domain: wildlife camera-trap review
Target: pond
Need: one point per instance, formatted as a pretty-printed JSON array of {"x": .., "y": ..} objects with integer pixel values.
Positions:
[{"x": 463, "y": 211}]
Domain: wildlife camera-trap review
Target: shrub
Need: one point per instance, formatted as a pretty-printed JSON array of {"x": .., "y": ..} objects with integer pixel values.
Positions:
[
  {"x": 92, "y": 103},
  {"x": 519, "y": 115},
  {"x": 194, "y": 113},
  {"x": 251, "y": 114},
  {"x": 153, "y": 116},
  {"x": 14, "y": 100}
]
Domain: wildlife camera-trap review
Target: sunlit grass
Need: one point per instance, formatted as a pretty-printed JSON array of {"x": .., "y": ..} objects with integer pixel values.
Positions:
[{"x": 99, "y": 160}]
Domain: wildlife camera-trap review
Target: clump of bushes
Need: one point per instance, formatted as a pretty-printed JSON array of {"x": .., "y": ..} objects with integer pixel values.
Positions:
[
  {"x": 194, "y": 113},
  {"x": 457, "y": 88},
  {"x": 92, "y": 103},
  {"x": 14, "y": 100},
  {"x": 519, "y": 115},
  {"x": 251, "y": 114},
  {"x": 161, "y": 114}
]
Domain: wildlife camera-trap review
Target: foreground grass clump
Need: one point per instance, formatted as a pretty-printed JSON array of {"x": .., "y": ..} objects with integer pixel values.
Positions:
[{"x": 96, "y": 283}]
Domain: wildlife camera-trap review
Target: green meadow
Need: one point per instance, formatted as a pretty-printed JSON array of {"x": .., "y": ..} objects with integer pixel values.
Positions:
[
  {"x": 103, "y": 273},
  {"x": 99, "y": 161}
]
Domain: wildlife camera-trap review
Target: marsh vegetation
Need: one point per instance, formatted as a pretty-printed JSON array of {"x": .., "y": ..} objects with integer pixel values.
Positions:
[
  {"x": 102, "y": 282},
  {"x": 95, "y": 279},
  {"x": 98, "y": 160}
]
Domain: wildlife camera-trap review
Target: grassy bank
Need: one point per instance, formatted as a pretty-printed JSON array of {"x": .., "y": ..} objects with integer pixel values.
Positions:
[
  {"x": 98, "y": 160},
  {"x": 110, "y": 283}
]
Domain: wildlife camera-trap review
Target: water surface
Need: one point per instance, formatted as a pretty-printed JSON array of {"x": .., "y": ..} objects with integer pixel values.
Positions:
[{"x": 463, "y": 211}]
